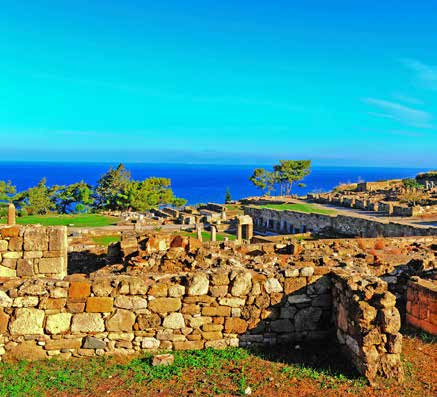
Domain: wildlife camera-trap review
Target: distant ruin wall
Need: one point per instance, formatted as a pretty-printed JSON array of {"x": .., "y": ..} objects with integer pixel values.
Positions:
[
  {"x": 422, "y": 305},
  {"x": 368, "y": 324},
  {"x": 33, "y": 251},
  {"x": 284, "y": 221}
]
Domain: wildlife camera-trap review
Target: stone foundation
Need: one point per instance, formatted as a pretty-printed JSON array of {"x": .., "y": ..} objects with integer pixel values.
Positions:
[
  {"x": 33, "y": 251},
  {"x": 422, "y": 305}
]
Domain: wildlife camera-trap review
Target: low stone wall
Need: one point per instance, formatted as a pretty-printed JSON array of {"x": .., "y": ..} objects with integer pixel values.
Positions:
[
  {"x": 368, "y": 324},
  {"x": 280, "y": 221},
  {"x": 28, "y": 251},
  {"x": 422, "y": 305},
  {"x": 79, "y": 316}
]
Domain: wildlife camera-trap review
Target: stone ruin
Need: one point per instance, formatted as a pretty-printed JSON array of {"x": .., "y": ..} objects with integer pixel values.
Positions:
[{"x": 172, "y": 292}]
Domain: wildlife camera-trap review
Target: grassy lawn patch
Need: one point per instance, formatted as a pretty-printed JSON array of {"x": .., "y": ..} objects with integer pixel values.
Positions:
[
  {"x": 303, "y": 207},
  {"x": 281, "y": 371},
  {"x": 78, "y": 220},
  {"x": 106, "y": 240},
  {"x": 206, "y": 236}
]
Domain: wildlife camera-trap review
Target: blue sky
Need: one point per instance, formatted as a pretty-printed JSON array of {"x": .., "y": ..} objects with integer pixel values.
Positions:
[{"x": 340, "y": 82}]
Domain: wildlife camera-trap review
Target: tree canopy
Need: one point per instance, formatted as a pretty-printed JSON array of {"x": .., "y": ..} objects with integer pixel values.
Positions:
[
  {"x": 115, "y": 190},
  {"x": 283, "y": 175}
]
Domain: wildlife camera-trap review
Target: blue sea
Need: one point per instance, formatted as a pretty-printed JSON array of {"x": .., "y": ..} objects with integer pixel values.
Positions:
[{"x": 196, "y": 183}]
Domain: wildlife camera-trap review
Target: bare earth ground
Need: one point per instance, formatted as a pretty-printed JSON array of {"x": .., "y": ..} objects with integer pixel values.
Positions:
[{"x": 309, "y": 371}]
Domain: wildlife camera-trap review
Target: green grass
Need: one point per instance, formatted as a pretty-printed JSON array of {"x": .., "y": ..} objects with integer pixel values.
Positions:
[
  {"x": 206, "y": 236},
  {"x": 106, "y": 240},
  {"x": 37, "y": 379},
  {"x": 310, "y": 208},
  {"x": 78, "y": 220}
]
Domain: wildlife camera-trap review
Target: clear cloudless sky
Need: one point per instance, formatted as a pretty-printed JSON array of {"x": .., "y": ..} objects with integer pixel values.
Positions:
[{"x": 229, "y": 81}]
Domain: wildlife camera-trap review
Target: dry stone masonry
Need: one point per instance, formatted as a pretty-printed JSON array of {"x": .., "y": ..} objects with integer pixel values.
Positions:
[{"x": 175, "y": 293}]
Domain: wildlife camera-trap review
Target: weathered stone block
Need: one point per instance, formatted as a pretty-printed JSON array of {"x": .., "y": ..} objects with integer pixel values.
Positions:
[
  {"x": 189, "y": 345},
  {"x": 87, "y": 322},
  {"x": 272, "y": 285},
  {"x": 90, "y": 342},
  {"x": 57, "y": 238},
  {"x": 165, "y": 305},
  {"x": 98, "y": 304},
  {"x": 35, "y": 239},
  {"x": 15, "y": 244},
  {"x": 234, "y": 325},
  {"x": 174, "y": 321},
  {"x": 58, "y": 323},
  {"x": 296, "y": 284},
  {"x": 232, "y": 302},
  {"x": 12, "y": 231},
  {"x": 199, "y": 284},
  {"x": 121, "y": 320},
  {"x": 52, "y": 265},
  {"x": 242, "y": 284},
  {"x": 79, "y": 290},
  {"x": 145, "y": 321},
  {"x": 27, "y": 322},
  {"x": 158, "y": 290},
  {"x": 5, "y": 299},
  {"x": 25, "y": 268},
  {"x": 216, "y": 311},
  {"x": 6, "y": 272},
  {"x": 4, "y": 321}
]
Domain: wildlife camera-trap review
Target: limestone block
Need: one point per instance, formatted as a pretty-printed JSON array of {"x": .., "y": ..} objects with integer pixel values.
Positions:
[
  {"x": 176, "y": 291},
  {"x": 199, "y": 284},
  {"x": 27, "y": 350},
  {"x": 6, "y": 272},
  {"x": 145, "y": 321},
  {"x": 59, "y": 344},
  {"x": 3, "y": 245},
  {"x": 165, "y": 305},
  {"x": 121, "y": 320},
  {"x": 52, "y": 303},
  {"x": 150, "y": 343},
  {"x": 220, "y": 278},
  {"x": 390, "y": 320},
  {"x": 90, "y": 342},
  {"x": 99, "y": 304},
  {"x": 59, "y": 292},
  {"x": 235, "y": 325},
  {"x": 25, "y": 267},
  {"x": 52, "y": 265},
  {"x": 87, "y": 322},
  {"x": 27, "y": 322},
  {"x": 232, "y": 302},
  {"x": 58, "y": 323},
  {"x": 138, "y": 286},
  {"x": 163, "y": 359},
  {"x": 4, "y": 321},
  {"x": 295, "y": 284},
  {"x": 25, "y": 301},
  {"x": 79, "y": 290},
  {"x": 10, "y": 263},
  {"x": 306, "y": 271},
  {"x": 12, "y": 255},
  {"x": 174, "y": 321},
  {"x": 242, "y": 284},
  {"x": 102, "y": 287},
  {"x": 15, "y": 244},
  {"x": 272, "y": 285},
  {"x": 216, "y": 311},
  {"x": 57, "y": 238},
  {"x": 219, "y": 291},
  {"x": 35, "y": 239},
  {"x": 158, "y": 290},
  {"x": 189, "y": 345},
  {"x": 12, "y": 231},
  {"x": 32, "y": 254}
]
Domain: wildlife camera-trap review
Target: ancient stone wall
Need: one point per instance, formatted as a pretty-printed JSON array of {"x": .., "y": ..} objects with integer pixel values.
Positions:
[
  {"x": 422, "y": 305},
  {"x": 368, "y": 324},
  {"x": 33, "y": 251},
  {"x": 285, "y": 221},
  {"x": 80, "y": 316}
]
